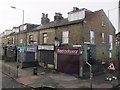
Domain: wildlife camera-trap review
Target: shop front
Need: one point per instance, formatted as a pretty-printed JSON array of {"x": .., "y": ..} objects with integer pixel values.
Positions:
[
  {"x": 27, "y": 56},
  {"x": 68, "y": 60},
  {"x": 10, "y": 53},
  {"x": 21, "y": 50},
  {"x": 46, "y": 56}
]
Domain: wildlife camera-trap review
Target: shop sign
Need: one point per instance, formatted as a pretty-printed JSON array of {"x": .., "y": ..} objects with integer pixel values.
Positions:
[
  {"x": 31, "y": 48},
  {"x": 71, "y": 51},
  {"x": 21, "y": 48},
  {"x": 45, "y": 47}
]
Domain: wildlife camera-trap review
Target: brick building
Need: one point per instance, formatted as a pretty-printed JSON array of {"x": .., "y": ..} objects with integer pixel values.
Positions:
[{"x": 82, "y": 27}]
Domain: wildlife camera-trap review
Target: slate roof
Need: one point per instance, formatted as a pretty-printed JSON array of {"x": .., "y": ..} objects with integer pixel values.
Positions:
[
  {"x": 65, "y": 22},
  {"x": 52, "y": 24}
]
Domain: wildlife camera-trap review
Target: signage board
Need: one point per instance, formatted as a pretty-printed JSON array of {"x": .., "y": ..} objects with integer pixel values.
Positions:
[
  {"x": 71, "y": 51},
  {"x": 21, "y": 48},
  {"x": 45, "y": 47},
  {"x": 77, "y": 46},
  {"x": 31, "y": 48}
]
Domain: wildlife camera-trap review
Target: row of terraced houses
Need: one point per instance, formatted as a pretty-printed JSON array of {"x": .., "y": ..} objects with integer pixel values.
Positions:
[{"x": 64, "y": 44}]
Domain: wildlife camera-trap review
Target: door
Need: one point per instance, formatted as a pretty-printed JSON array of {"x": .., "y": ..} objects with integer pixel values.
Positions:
[
  {"x": 30, "y": 56},
  {"x": 68, "y": 63},
  {"x": 47, "y": 57}
]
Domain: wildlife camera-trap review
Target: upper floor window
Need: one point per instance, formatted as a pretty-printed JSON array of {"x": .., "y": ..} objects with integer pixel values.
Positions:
[
  {"x": 92, "y": 37},
  {"x": 13, "y": 40},
  {"x": 103, "y": 37},
  {"x": 45, "y": 37},
  {"x": 110, "y": 42},
  {"x": 30, "y": 38},
  {"x": 103, "y": 20},
  {"x": 65, "y": 37}
]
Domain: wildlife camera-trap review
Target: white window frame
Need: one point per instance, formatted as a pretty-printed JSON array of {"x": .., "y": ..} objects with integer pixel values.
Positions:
[
  {"x": 65, "y": 37},
  {"x": 45, "y": 37}
]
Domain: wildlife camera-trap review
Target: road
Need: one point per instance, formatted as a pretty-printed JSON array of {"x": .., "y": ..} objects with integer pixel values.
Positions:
[{"x": 8, "y": 82}]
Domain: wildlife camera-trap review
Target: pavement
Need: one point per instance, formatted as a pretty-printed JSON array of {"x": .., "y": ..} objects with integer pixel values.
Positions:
[{"x": 55, "y": 79}]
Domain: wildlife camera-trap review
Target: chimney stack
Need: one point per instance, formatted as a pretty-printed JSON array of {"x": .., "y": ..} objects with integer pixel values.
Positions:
[
  {"x": 44, "y": 18},
  {"x": 58, "y": 16},
  {"x": 75, "y": 8}
]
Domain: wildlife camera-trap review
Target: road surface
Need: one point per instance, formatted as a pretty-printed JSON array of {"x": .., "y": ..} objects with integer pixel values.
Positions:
[{"x": 8, "y": 82}]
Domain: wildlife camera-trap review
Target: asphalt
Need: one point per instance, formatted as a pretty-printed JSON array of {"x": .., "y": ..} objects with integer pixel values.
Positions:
[{"x": 54, "y": 79}]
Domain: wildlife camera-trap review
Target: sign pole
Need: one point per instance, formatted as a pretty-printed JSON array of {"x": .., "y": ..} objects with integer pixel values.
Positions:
[{"x": 91, "y": 75}]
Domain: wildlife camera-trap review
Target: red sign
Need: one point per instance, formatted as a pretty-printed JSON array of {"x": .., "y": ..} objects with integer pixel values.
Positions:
[{"x": 71, "y": 51}]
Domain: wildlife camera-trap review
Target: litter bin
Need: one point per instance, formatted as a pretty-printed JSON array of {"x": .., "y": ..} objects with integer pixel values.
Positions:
[{"x": 35, "y": 71}]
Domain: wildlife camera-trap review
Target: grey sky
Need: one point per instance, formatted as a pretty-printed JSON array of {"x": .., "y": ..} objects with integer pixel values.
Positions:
[{"x": 34, "y": 8}]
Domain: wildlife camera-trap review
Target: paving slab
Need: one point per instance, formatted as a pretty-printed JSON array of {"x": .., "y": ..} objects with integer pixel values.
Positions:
[{"x": 58, "y": 80}]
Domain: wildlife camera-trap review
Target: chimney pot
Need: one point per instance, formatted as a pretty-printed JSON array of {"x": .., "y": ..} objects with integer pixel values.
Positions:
[
  {"x": 58, "y": 16},
  {"x": 44, "y": 18},
  {"x": 75, "y": 8}
]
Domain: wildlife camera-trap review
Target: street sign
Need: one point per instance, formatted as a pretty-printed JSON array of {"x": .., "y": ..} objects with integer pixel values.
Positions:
[
  {"x": 89, "y": 62},
  {"x": 111, "y": 67}
]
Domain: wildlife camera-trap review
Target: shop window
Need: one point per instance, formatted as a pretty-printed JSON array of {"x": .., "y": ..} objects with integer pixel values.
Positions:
[{"x": 65, "y": 37}]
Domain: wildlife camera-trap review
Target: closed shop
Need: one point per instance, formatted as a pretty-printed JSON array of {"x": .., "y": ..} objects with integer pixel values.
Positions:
[
  {"x": 31, "y": 52},
  {"x": 10, "y": 53},
  {"x": 68, "y": 60},
  {"x": 46, "y": 57},
  {"x": 27, "y": 55}
]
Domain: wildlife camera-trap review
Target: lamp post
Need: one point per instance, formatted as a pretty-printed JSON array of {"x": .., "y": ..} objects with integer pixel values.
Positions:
[
  {"x": 110, "y": 37},
  {"x": 118, "y": 46},
  {"x": 20, "y": 10},
  {"x": 23, "y": 27},
  {"x": 119, "y": 16}
]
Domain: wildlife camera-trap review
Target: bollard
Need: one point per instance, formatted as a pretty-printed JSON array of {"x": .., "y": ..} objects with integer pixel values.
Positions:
[
  {"x": 35, "y": 71},
  {"x": 17, "y": 70}
]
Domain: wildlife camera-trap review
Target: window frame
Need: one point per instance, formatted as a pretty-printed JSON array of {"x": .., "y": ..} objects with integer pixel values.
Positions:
[
  {"x": 103, "y": 37},
  {"x": 45, "y": 37},
  {"x": 92, "y": 37},
  {"x": 65, "y": 37},
  {"x": 30, "y": 38}
]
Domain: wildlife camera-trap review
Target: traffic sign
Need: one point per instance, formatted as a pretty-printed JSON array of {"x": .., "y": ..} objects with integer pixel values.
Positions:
[{"x": 111, "y": 66}]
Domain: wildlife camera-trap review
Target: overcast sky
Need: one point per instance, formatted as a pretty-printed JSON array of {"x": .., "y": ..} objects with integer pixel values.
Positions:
[{"x": 10, "y": 17}]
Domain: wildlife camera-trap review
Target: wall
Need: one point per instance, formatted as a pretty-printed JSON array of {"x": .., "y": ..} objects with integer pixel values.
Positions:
[
  {"x": 50, "y": 33},
  {"x": 21, "y": 39},
  {"x": 75, "y": 35},
  {"x": 35, "y": 36}
]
